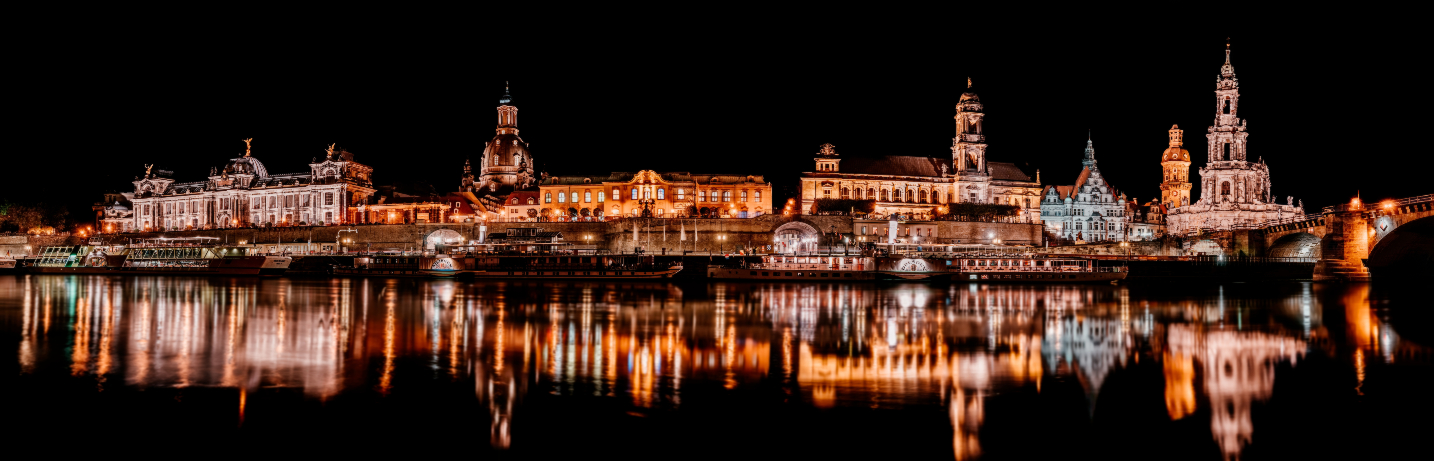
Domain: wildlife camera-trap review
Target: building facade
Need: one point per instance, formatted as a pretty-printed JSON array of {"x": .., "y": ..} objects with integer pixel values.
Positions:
[
  {"x": 1234, "y": 191},
  {"x": 660, "y": 195},
  {"x": 506, "y": 164},
  {"x": 1090, "y": 210},
  {"x": 923, "y": 187},
  {"x": 244, "y": 194}
]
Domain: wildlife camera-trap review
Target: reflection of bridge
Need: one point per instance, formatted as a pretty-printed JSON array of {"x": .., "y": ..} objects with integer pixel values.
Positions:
[{"x": 1344, "y": 236}]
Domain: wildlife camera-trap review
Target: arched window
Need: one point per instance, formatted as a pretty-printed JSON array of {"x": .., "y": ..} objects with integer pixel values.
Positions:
[
  {"x": 575, "y": 197},
  {"x": 726, "y": 195},
  {"x": 646, "y": 194},
  {"x": 845, "y": 193},
  {"x": 887, "y": 194},
  {"x": 701, "y": 195},
  {"x": 634, "y": 193},
  {"x": 531, "y": 201},
  {"x": 602, "y": 196},
  {"x": 1225, "y": 189},
  {"x": 1227, "y": 152},
  {"x": 900, "y": 195},
  {"x": 1227, "y": 104},
  {"x": 757, "y": 197},
  {"x": 548, "y": 197},
  {"x": 923, "y": 196},
  {"x": 744, "y": 196},
  {"x": 562, "y": 197},
  {"x": 517, "y": 159},
  {"x": 661, "y": 194},
  {"x": 587, "y": 196}
]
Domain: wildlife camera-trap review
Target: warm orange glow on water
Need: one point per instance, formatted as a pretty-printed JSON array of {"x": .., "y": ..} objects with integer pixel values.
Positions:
[
  {"x": 1179, "y": 385},
  {"x": 656, "y": 348}
]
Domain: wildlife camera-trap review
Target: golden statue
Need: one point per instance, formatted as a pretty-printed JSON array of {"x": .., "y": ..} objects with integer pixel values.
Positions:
[
  {"x": 147, "y": 168},
  {"x": 330, "y": 150},
  {"x": 968, "y": 83},
  {"x": 247, "y": 145}
]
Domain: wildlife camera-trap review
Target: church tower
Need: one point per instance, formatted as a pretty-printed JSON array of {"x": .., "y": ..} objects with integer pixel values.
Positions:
[
  {"x": 1227, "y": 135},
  {"x": 506, "y": 163},
  {"x": 1175, "y": 189},
  {"x": 968, "y": 149}
]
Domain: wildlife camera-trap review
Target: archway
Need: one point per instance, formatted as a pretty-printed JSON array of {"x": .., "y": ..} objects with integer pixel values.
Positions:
[
  {"x": 795, "y": 237},
  {"x": 442, "y": 237},
  {"x": 1296, "y": 245},
  {"x": 1207, "y": 248},
  {"x": 1407, "y": 252}
]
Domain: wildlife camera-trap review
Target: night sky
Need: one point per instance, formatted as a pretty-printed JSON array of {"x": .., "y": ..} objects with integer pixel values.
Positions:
[{"x": 1331, "y": 111}]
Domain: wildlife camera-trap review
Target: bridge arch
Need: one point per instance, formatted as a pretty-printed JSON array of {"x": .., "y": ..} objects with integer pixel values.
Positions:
[
  {"x": 442, "y": 237},
  {"x": 795, "y": 237},
  {"x": 1296, "y": 245},
  {"x": 1406, "y": 251}
]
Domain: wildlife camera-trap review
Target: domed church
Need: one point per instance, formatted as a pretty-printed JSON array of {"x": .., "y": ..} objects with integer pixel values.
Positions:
[{"x": 506, "y": 164}]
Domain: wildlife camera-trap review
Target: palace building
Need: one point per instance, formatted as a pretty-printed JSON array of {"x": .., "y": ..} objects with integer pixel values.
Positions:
[
  {"x": 243, "y": 193},
  {"x": 920, "y": 186},
  {"x": 651, "y": 194},
  {"x": 1089, "y": 210},
  {"x": 1234, "y": 191}
]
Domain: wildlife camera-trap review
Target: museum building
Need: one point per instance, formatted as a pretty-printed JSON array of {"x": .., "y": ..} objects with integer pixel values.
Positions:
[{"x": 921, "y": 187}]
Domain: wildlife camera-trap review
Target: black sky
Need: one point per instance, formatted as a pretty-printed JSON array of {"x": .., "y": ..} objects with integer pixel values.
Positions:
[{"x": 1331, "y": 110}]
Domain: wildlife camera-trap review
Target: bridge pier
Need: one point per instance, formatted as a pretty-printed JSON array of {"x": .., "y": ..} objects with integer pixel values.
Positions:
[{"x": 1344, "y": 246}]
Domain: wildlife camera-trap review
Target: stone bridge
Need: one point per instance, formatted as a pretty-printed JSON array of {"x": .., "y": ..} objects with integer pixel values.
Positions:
[{"x": 1393, "y": 237}]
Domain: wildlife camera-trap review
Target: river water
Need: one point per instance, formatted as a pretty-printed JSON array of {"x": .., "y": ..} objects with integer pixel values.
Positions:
[{"x": 216, "y": 366}]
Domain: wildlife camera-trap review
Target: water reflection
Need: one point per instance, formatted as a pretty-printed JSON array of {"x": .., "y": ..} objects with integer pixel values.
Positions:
[{"x": 653, "y": 347}]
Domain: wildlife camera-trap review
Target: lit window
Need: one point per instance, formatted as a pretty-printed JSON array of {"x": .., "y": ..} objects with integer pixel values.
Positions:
[
  {"x": 680, "y": 194},
  {"x": 562, "y": 197},
  {"x": 758, "y": 197},
  {"x": 661, "y": 194},
  {"x": 726, "y": 195},
  {"x": 587, "y": 196},
  {"x": 575, "y": 197},
  {"x": 701, "y": 195},
  {"x": 548, "y": 197},
  {"x": 601, "y": 196},
  {"x": 743, "y": 197},
  {"x": 634, "y": 193}
]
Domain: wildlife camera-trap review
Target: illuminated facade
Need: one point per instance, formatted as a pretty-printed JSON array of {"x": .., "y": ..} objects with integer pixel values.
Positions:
[
  {"x": 243, "y": 193},
  {"x": 1175, "y": 164},
  {"x": 1234, "y": 191},
  {"x": 665, "y": 195},
  {"x": 1089, "y": 210},
  {"x": 921, "y": 186}
]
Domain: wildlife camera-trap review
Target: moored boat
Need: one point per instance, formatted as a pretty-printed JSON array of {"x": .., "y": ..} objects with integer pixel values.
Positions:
[
  {"x": 956, "y": 267},
  {"x": 171, "y": 256}
]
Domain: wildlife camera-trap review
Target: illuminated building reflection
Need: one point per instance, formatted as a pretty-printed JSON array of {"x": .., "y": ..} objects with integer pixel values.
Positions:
[{"x": 647, "y": 345}]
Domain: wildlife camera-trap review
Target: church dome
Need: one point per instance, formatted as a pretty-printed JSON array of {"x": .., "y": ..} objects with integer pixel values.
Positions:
[
  {"x": 1176, "y": 154},
  {"x": 509, "y": 149},
  {"x": 969, "y": 96},
  {"x": 247, "y": 165}
]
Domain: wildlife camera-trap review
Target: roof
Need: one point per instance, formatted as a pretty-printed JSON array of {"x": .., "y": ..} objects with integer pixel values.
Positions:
[
  {"x": 896, "y": 165},
  {"x": 1002, "y": 171},
  {"x": 1084, "y": 175},
  {"x": 1175, "y": 154}
]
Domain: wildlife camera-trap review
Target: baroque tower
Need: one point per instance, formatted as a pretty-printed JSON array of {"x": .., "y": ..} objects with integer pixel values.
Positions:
[
  {"x": 1234, "y": 191},
  {"x": 506, "y": 163},
  {"x": 1175, "y": 189},
  {"x": 968, "y": 149}
]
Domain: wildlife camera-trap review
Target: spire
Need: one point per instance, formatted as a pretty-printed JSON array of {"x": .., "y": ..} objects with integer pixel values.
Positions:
[
  {"x": 968, "y": 83},
  {"x": 1089, "y": 160},
  {"x": 1177, "y": 136},
  {"x": 1227, "y": 71},
  {"x": 507, "y": 98}
]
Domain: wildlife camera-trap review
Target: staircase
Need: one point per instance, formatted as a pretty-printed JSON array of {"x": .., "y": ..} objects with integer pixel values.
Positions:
[{"x": 1339, "y": 270}]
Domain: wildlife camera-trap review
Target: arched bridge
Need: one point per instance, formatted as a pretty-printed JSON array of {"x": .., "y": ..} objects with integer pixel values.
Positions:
[{"x": 1351, "y": 240}]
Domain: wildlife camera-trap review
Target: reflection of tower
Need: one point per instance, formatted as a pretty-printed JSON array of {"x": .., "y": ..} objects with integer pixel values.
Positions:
[
  {"x": 1095, "y": 346},
  {"x": 1239, "y": 369}
]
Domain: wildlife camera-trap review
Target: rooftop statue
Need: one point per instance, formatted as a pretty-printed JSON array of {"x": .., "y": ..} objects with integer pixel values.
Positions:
[{"x": 247, "y": 145}]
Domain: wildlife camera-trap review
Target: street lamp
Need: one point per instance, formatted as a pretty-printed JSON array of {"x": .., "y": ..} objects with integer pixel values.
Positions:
[
  {"x": 722, "y": 246},
  {"x": 1125, "y": 246}
]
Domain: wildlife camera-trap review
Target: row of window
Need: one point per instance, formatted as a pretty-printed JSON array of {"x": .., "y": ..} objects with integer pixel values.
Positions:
[
  {"x": 920, "y": 231},
  {"x": 646, "y": 194}
]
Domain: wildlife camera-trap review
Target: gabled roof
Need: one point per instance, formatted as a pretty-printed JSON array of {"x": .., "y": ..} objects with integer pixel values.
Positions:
[{"x": 1084, "y": 176}]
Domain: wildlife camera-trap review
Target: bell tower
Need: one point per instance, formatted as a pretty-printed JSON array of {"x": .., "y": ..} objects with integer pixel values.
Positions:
[
  {"x": 1227, "y": 135},
  {"x": 968, "y": 148},
  {"x": 1175, "y": 162}
]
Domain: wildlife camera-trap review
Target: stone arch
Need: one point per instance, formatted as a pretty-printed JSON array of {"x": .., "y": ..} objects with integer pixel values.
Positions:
[
  {"x": 1296, "y": 245},
  {"x": 1406, "y": 251},
  {"x": 795, "y": 237},
  {"x": 442, "y": 237},
  {"x": 1207, "y": 248}
]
